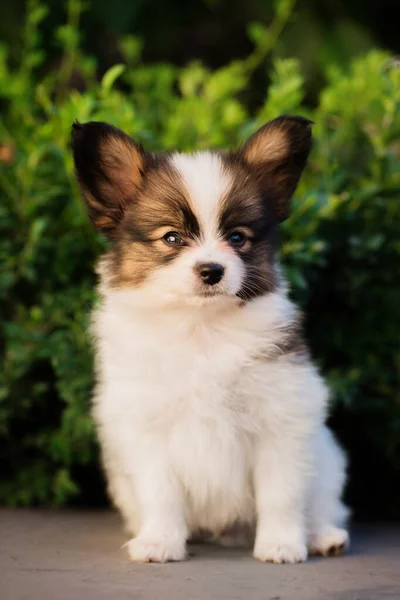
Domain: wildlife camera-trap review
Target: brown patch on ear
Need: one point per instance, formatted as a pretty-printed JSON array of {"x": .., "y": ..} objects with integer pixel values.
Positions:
[
  {"x": 277, "y": 154},
  {"x": 123, "y": 164},
  {"x": 266, "y": 145},
  {"x": 109, "y": 167},
  {"x": 103, "y": 220}
]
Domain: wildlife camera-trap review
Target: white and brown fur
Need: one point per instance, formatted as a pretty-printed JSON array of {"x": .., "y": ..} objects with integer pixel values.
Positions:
[{"x": 210, "y": 413}]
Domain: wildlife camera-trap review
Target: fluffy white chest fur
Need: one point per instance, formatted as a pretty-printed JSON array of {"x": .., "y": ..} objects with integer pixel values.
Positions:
[
  {"x": 209, "y": 410},
  {"x": 202, "y": 395}
]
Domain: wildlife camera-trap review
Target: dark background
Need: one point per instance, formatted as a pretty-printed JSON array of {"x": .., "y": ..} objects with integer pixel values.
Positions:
[{"x": 216, "y": 31}]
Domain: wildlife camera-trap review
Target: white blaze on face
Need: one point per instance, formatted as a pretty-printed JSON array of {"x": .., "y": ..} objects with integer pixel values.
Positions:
[{"x": 206, "y": 182}]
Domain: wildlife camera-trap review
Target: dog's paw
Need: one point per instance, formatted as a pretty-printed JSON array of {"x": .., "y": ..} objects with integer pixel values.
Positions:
[
  {"x": 144, "y": 550},
  {"x": 330, "y": 542},
  {"x": 280, "y": 552}
]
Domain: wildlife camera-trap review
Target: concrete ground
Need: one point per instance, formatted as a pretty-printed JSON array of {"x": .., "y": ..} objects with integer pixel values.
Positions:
[{"x": 76, "y": 555}]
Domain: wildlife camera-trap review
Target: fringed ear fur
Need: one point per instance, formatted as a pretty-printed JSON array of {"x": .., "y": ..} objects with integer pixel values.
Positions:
[
  {"x": 109, "y": 167},
  {"x": 277, "y": 154}
]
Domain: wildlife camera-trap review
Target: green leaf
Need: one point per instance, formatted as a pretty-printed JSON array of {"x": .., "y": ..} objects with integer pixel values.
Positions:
[{"x": 110, "y": 77}]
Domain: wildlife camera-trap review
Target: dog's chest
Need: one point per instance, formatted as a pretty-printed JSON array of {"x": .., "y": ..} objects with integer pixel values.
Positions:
[
  {"x": 180, "y": 372},
  {"x": 182, "y": 359}
]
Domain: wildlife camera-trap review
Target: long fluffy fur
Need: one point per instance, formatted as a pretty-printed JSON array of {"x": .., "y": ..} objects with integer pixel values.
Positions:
[{"x": 209, "y": 410}]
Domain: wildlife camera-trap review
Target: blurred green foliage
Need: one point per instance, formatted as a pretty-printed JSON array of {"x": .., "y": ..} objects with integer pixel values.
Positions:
[{"x": 340, "y": 248}]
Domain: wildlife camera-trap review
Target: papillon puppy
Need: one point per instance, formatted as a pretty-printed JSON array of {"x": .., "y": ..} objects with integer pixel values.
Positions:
[{"x": 209, "y": 410}]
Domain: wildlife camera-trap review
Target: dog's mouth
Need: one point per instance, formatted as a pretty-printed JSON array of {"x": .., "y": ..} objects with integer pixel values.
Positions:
[{"x": 210, "y": 293}]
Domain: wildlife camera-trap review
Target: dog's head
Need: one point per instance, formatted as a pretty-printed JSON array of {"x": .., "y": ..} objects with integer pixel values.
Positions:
[{"x": 191, "y": 227}]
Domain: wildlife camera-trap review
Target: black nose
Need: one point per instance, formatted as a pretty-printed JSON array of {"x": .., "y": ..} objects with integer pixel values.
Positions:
[{"x": 211, "y": 273}]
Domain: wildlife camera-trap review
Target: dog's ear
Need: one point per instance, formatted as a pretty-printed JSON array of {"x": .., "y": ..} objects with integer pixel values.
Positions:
[
  {"x": 109, "y": 166},
  {"x": 277, "y": 154}
]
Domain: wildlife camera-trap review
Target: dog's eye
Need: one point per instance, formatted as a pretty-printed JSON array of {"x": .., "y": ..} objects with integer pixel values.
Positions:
[
  {"x": 173, "y": 238},
  {"x": 237, "y": 239}
]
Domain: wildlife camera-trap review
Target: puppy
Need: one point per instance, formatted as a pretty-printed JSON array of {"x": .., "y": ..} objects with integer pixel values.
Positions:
[{"x": 209, "y": 410}]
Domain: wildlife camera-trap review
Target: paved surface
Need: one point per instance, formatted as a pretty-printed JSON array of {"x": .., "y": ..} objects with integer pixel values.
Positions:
[{"x": 76, "y": 555}]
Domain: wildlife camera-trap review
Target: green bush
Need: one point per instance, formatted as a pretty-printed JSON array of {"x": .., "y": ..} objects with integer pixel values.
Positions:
[{"x": 340, "y": 248}]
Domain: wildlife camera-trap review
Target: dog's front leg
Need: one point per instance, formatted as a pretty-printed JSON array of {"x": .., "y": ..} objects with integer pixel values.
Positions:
[
  {"x": 162, "y": 531},
  {"x": 281, "y": 476}
]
